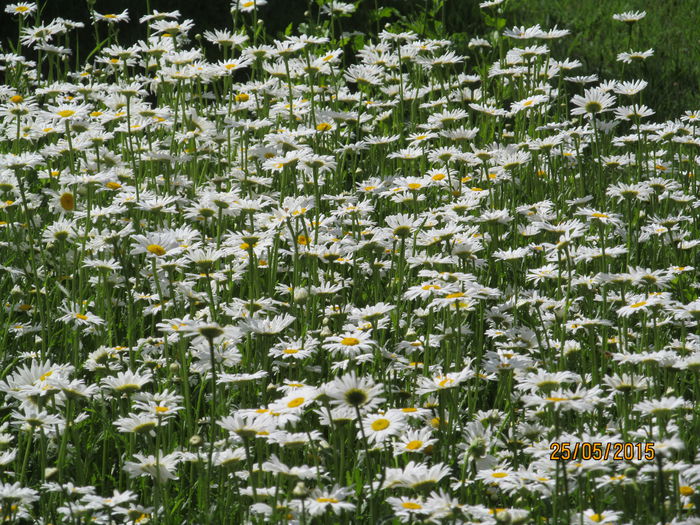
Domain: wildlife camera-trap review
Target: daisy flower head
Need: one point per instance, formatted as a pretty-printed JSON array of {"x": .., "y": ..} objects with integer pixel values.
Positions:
[
  {"x": 378, "y": 427},
  {"x": 67, "y": 112},
  {"x": 249, "y": 425},
  {"x": 137, "y": 424},
  {"x": 160, "y": 468},
  {"x": 127, "y": 382},
  {"x": 156, "y": 244},
  {"x": 335, "y": 7},
  {"x": 354, "y": 392},
  {"x": 321, "y": 501},
  {"x": 528, "y": 103},
  {"x": 490, "y": 3},
  {"x": 591, "y": 517},
  {"x": 296, "y": 400},
  {"x": 593, "y": 215},
  {"x": 430, "y": 384},
  {"x": 629, "y": 17},
  {"x": 664, "y": 406},
  {"x": 294, "y": 349},
  {"x": 403, "y": 225},
  {"x": 593, "y": 101},
  {"x": 632, "y": 56},
  {"x": 630, "y": 88},
  {"x": 523, "y": 33},
  {"x": 407, "y": 508},
  {"x": 78, "y": 316},
  {"x": 414, "y": 441},
  {"x": 501, "y": 476},
  {"x": 21, "y": 9},
  {"x": 418, "y": 476},
  {"x": 111, "y": 18},
  {"x": 247, "y": 6},
  {"x": 349, "y": 343},
  {"x": 634, "y": 112}
]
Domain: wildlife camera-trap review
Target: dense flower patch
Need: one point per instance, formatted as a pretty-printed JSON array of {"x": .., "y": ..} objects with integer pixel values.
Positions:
[{"x": 249, "y": 279}]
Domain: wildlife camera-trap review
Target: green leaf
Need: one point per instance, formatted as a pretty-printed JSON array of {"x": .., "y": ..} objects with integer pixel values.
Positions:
[
  {"x": 384, "y": 12},
  {"x": 358, "y": 42},
  {"x": 97, "y": 48}
]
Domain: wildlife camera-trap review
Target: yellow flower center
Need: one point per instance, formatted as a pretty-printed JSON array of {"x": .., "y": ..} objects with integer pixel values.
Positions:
[
  {"x": 162, "y": 410},
  {"x": 16, "y": 99},
  {"x": 242, "y": 97},
  {"x": 156, "y": 249},
  {"x": 617, "y": 478},
  {"x": 411, "y": 505},
  {"x": 414, "y": 445},
  {"x": 598, "y": 215},
  {"x": 326, "y": 500},
  {"x": 295, "y": 402},
  {"x": 454, "y": 295},
  {"x": 323, "y": 126},
  {"x": 380, "y": 424},
  {"x": 413, "y": 185},
  {"x": 350, "y": 341},
  {"x": 81, "y": 317},
  {"x": 499, "y": 475},
  {"x": 685, "y": 490},
  {"x": 303, "y": 240},
  {"x": 67, "y": 201},
  {"x": 638, "y": 305},
  {"x": 65, "y": 113},
  {"x": 290, "y": 351}
]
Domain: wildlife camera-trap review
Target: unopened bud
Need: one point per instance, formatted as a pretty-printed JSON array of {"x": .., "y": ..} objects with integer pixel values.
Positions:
[
  {"x": 301, "y": 295},
  {"x": 300, "y": 490}
]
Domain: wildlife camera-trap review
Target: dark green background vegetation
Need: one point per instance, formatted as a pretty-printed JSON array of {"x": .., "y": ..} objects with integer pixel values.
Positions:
[{"x": 671, "y": 27}]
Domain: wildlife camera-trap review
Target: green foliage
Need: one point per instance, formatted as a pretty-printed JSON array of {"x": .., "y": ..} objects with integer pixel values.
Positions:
[{"x": 670, "y": 28}]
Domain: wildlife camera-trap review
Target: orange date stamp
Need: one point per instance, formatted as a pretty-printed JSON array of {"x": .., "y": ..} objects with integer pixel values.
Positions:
[{"x": 598, "y": 451}]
